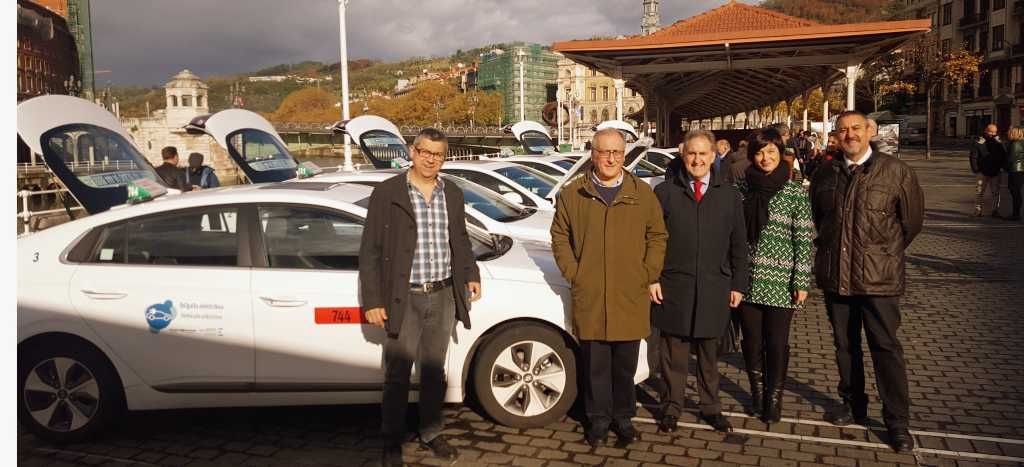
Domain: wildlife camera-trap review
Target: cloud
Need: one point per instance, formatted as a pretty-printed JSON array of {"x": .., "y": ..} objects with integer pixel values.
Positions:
[{"x": 146, "y": 42}]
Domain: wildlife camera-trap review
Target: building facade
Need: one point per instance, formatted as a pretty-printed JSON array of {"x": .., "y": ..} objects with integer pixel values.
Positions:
[
  {"x": 593, "y": 96},
  {"x": 77, "y": 15},
  {"x": 499, "y": 71},
  {"x": 187, "y": 98},
  {"x": 995, "y": 30},
  {"x": 47, "y": 58}
]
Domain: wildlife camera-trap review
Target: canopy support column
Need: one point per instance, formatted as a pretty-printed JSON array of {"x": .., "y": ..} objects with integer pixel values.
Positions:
[
  {"x": 852, "y": 70},
  {"x": 805, "y": 98},
  {"x": 619, "y": 85}
]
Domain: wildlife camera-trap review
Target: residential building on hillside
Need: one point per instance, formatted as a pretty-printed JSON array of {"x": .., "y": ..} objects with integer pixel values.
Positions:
[{"x": 499, "y": 71}]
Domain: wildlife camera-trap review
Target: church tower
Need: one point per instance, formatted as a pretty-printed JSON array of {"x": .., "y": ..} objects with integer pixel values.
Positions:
[{"x": 651, "y": 20}]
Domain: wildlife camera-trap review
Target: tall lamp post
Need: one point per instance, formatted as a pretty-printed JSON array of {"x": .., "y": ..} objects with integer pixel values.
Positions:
[
  {"x": 344, "y": 82},
  {"x": 473, "y": 101},
  {"x": 522, "y": 88}
]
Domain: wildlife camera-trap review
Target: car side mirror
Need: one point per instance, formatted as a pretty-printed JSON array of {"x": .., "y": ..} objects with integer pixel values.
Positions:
[{"x": 513, "y": 197}]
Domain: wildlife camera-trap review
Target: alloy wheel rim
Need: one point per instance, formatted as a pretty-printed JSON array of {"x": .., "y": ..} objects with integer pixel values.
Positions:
[
  {"x": 61, "y": 394},
  {"x": 528, "y": 378}
]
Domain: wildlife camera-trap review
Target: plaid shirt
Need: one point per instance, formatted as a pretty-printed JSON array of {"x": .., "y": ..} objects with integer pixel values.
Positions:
[{"x": 432, "y": 260}]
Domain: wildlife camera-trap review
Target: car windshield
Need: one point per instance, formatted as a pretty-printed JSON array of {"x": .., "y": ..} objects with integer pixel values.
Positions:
[
  {"x": 534, "y": 181},
  {"x": 535, "y": 142},
  {"x": 488, "y": 202},
  {"x": 96, "y": 156},
  {"x": 646, "y": 169},
  {"x": 260, "y": 150},
  {"x": 384, "y": 146},
  {"x": 542, "y": 167}
]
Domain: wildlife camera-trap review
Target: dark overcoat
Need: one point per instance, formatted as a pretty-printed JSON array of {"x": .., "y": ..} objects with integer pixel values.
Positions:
[
  {"x": 705, "y": 259},
  {"x": 388, "y": 244}
]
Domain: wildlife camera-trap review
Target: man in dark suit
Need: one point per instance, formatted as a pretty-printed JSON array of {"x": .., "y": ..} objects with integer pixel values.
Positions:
[
  {"x": 417, "y": 275},
  {"x": 706, "y": 272},
  {"x": 172, "y": 175}
]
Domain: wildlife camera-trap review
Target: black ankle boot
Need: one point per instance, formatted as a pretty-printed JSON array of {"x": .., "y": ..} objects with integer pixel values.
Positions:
[
  {"x": 772, "y": 405},
  {"x": 756, "y": 393}
]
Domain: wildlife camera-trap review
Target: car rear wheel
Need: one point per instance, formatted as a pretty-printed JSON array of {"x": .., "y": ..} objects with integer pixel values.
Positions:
[
  {"x": 525, "y": 376},
  {"x": 67, "y": 391}
]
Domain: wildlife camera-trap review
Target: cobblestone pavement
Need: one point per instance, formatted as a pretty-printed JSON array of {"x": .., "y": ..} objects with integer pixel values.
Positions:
[{"x": 960, "y": 320}]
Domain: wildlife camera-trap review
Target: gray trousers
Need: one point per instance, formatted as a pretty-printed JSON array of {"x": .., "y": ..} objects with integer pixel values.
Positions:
[
  {"x": 423, "y": 338},
  {"x": 675, "y": 368},
  {"x": 987, "y": 187}
]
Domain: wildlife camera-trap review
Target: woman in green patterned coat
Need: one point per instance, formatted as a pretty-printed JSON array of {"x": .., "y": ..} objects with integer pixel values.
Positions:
[{"x": 779, "y": 230}]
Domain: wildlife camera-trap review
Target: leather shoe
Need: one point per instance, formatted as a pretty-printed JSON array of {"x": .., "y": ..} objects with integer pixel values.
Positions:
[
  {"x": 668, "y": 424},
  {"x": 440, "y": 447},
  {"x": 844, "y": 415},
  {"x": 718, "y": 422},
  {"x": 392, "y": 455},
  {"x": 597, "y": 438},
  {"x": 901, "y": 440},
  {"x": 626, "y": 433}
]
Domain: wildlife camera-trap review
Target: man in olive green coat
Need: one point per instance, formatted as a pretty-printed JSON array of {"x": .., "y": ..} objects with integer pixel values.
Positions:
[{"x": 608, "y": 237}]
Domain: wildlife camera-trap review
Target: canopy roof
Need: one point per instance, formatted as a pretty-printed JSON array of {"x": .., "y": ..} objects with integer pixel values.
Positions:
[{"x": 738, "y": 57}]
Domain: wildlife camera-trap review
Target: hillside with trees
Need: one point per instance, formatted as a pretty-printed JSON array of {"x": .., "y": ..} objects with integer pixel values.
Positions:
[{"x": 835, "y": 11}]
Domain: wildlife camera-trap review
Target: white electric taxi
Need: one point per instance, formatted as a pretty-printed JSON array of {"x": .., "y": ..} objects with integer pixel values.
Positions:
[{"x": 244, "y": 296}]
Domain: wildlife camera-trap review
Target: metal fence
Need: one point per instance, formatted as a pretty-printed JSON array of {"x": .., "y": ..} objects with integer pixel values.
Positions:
[{"x": 27, "y": 214}]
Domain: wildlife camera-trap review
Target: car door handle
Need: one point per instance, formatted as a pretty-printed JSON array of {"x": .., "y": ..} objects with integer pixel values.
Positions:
[
  {"x": 285, "y": 302},
  {"x": 104, "y": 294}
]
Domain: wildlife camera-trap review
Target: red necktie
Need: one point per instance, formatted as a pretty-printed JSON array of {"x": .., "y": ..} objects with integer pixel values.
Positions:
[{"x": 696, "y": 190}]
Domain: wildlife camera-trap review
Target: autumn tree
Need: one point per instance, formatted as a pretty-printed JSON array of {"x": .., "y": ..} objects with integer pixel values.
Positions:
[{"x": 308, "y": 105}]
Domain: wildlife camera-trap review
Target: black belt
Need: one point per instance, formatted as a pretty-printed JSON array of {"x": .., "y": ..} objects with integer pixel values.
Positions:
[{"x": 428, "y": 287}]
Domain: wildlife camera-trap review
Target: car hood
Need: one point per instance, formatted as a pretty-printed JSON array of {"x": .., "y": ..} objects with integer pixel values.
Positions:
[{"x": 527, "y": 261}]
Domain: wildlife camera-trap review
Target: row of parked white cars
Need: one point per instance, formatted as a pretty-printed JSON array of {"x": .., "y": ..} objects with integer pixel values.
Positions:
[{"x": 248, "y": 295}]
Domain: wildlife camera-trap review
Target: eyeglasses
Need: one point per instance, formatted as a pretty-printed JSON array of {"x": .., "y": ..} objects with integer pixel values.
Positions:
[
  {"x": 609, "y": 154},
  {"x": 429, "y": 155}
]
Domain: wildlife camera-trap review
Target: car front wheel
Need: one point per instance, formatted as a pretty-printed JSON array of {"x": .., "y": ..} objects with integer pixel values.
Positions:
[
  {"x": 67, "y": 391},
  {"x": 525, "y": 376}
]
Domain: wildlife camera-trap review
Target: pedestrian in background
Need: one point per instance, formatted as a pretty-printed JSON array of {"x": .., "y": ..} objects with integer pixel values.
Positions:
[
  {"x": 867, "y": 207},
  {"x": 199, "y": 176},
  {"x": 705, "y": 274},
  {"x": 988, "y": 159},
  {"x": 779, "y": 232},
  {"x": 738, "y": 163},
  {"x": 608, "y": 239},
  {"x": 722, "y": 150},
  {"x": 417, "y": 276},
  {"x": 1015, "y": 168}
]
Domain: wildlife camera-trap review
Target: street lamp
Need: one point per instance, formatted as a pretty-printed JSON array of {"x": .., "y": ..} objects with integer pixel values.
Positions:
[
  {"x": 344, "y": 81},
  {"x": 522, "y": 93},
  {"x": 437, "y": 111}
]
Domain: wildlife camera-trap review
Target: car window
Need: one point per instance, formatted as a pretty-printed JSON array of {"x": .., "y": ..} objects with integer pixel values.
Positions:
[
  {"x": 658, "y": 159},
  {"x": 195, "y": 237},
  {"x": 260, "y": 150},
  {"x": 546, "y": 169},
  {"x": 565, "y": 163},
  {"x": 538, "y": 183},
  {"x": 488, "y": 202},
  {"x": 310, "y": 238},
  {"x": 490, "y": 182}
]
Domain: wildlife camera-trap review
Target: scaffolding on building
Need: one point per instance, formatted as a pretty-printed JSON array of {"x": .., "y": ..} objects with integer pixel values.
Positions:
[{"x": 499, "y": 72}]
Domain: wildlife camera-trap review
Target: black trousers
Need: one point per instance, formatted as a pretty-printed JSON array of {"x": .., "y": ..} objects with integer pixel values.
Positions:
[
  {"x": 880, "y": 318},
  {"x": 426, "y": 330},
  {"x": 675, "y": 367},
  {"x": 1016, "y": 182},
  {"x": 766, "y": 340},
  {"x": 609, "y": 393}
]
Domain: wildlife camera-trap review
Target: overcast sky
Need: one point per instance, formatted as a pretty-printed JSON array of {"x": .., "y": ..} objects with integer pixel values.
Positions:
[{"x": 146, "y": 42}]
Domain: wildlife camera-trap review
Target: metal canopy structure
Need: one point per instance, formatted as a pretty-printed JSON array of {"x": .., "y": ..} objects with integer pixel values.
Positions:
[{"x": 736, "y": 58}]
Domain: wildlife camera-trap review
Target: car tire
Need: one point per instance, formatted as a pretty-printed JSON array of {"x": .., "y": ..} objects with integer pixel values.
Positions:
[
  {"x": 68, "y": 391},
  {"x": 525, "y": 375}
]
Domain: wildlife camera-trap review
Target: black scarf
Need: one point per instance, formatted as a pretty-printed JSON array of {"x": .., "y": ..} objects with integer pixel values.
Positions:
[{"x": 762, "y": 187}]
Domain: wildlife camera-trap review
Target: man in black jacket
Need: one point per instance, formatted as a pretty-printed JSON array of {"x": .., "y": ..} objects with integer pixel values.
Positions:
[
  {"x": 169, "y": 172},
  {"x": 988, "y": 157},
  {"x": 706, "y": 272},
  {"x": 417, "y": 275},
  {"x": 868, "y": 207}
]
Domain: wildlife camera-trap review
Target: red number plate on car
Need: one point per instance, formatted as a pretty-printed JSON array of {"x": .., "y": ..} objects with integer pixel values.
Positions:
[{"x": 338, "y": 315}]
